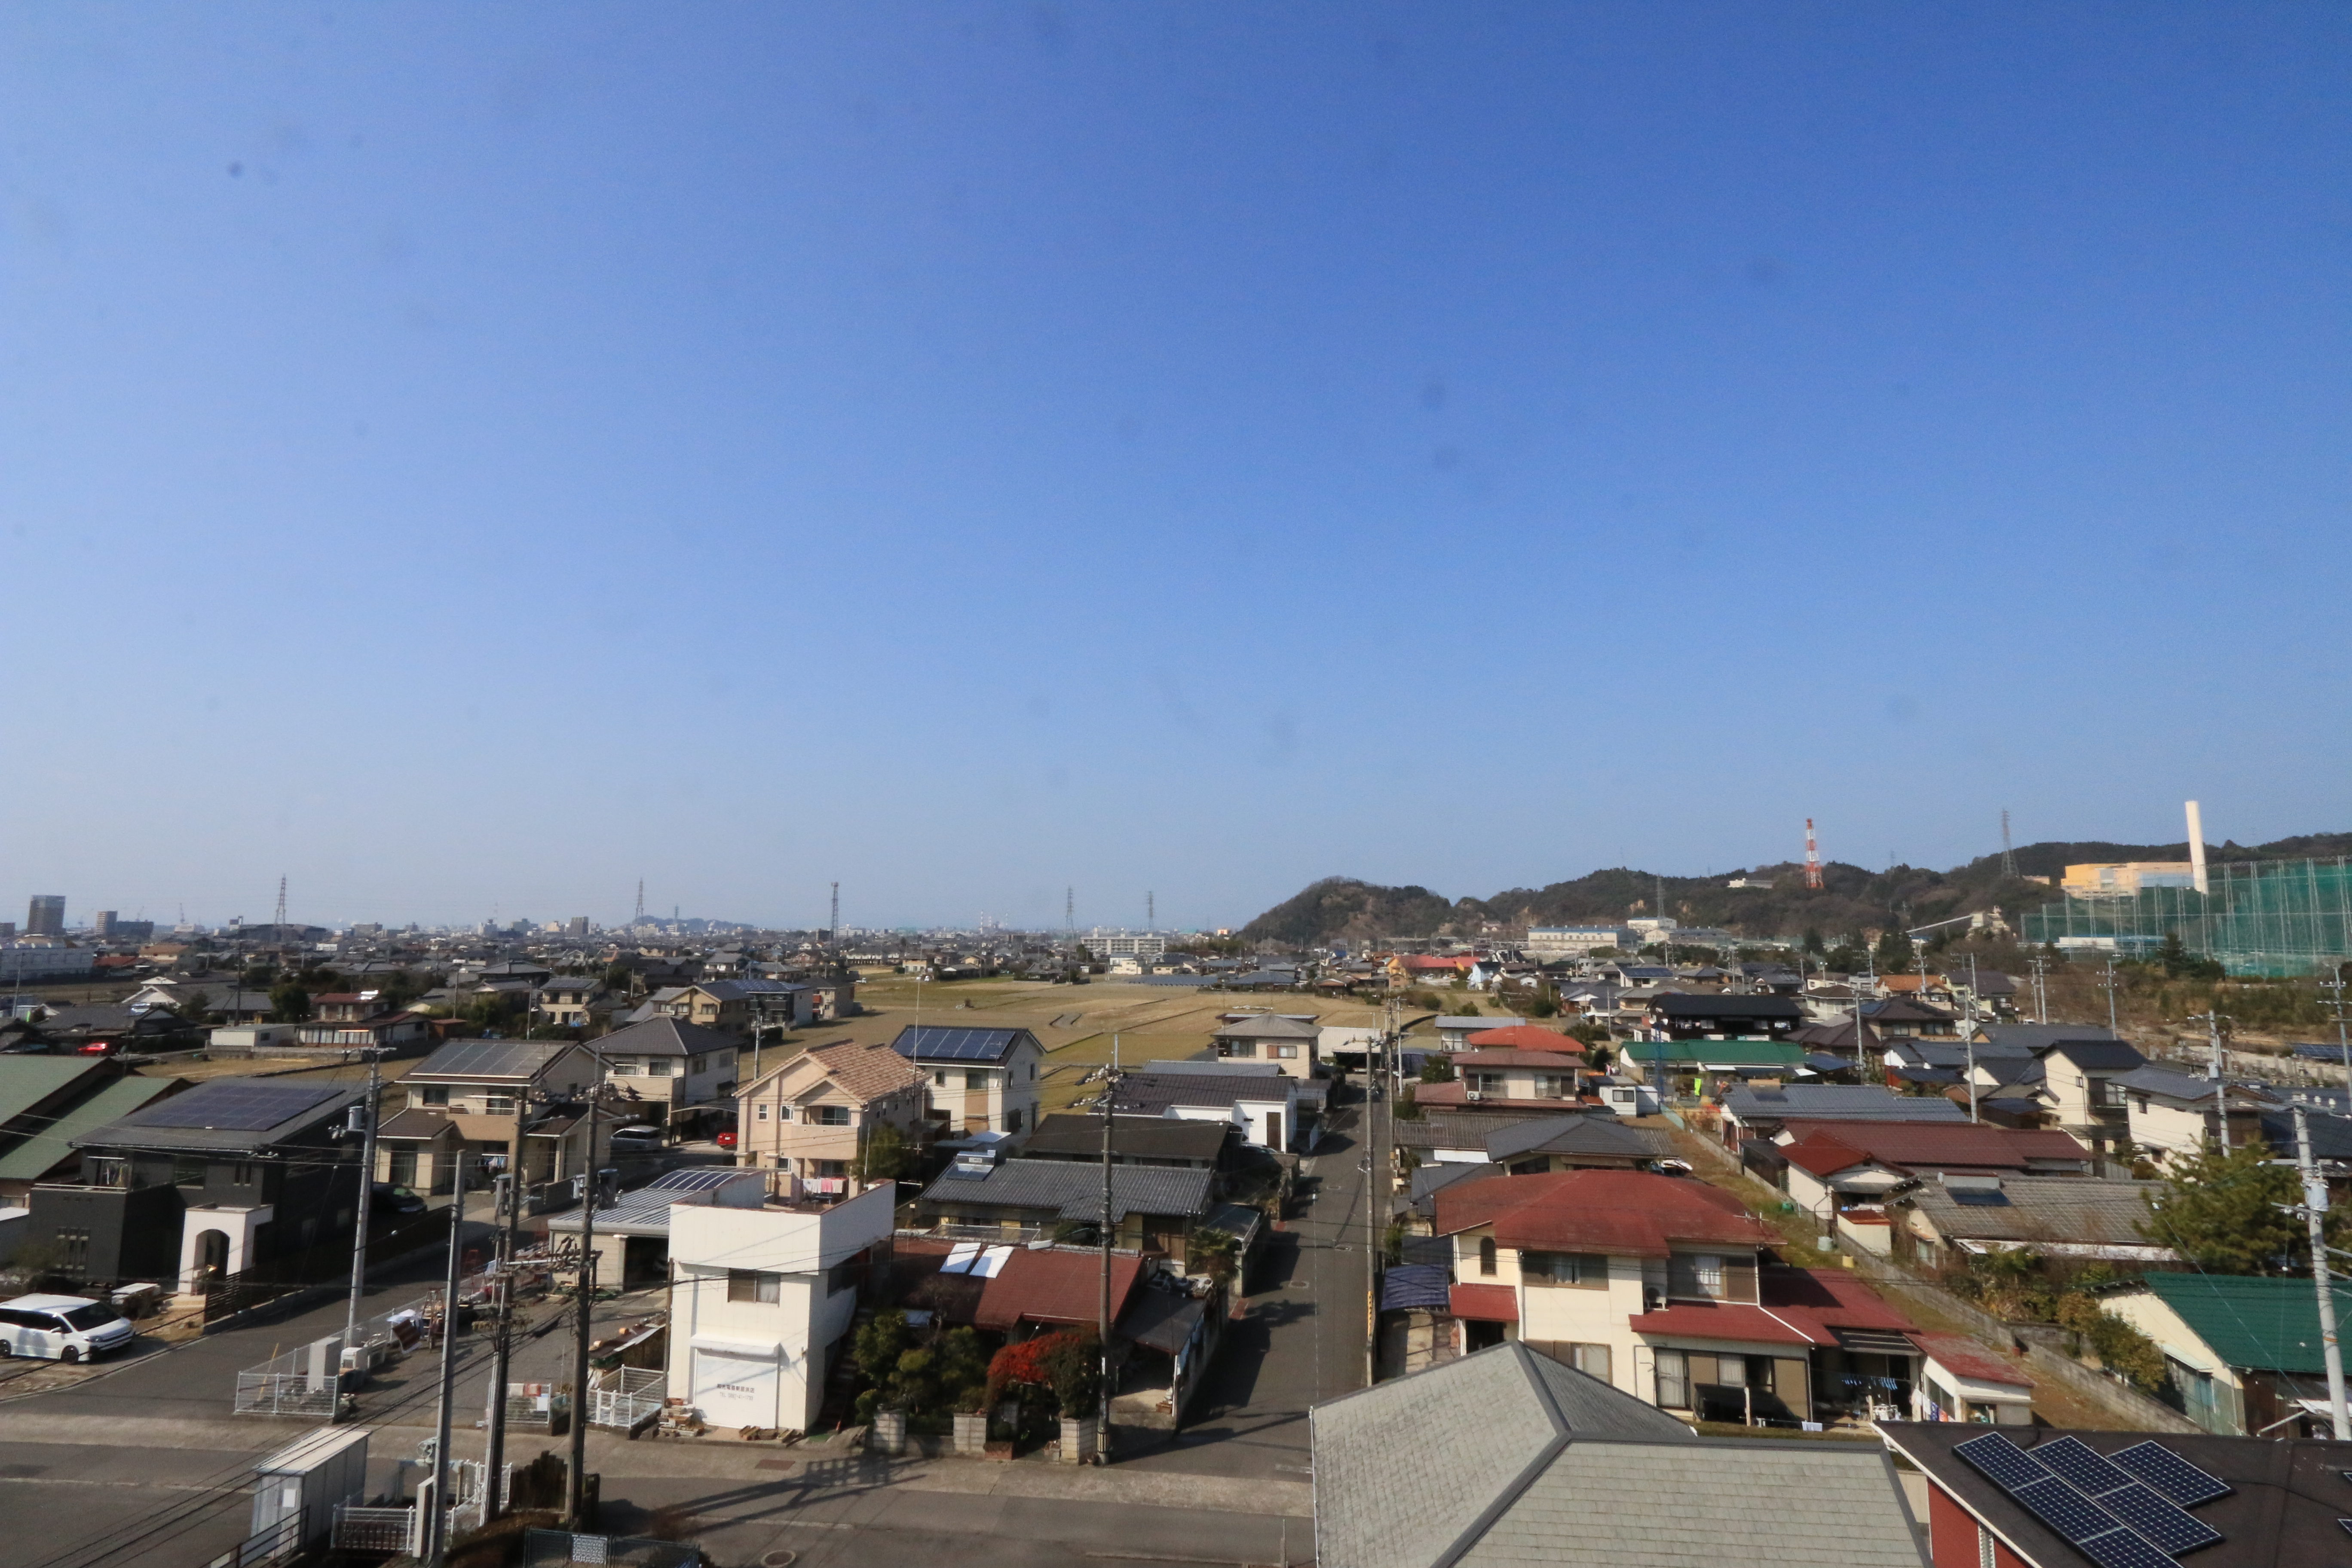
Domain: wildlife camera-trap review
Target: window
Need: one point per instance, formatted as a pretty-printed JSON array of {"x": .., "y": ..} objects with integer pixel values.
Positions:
[
  {"x": 750, "y": 1285},
  {"x": 1486, "y": 1256},
  {"x": 73, "y": 1248},
  {"x": 186, "y": 1173},
  {"x": 975, "y": 1077},
  {"x": 832, "y": 1168},
  {"x": 1287, "y": 1053},
  {"x": 759, "y": 1112},
  {"x": 1238, "y": 1047},
  {"x": 1589, "y": 1269},
  {"x": 243, "y": 1174},
  {"x": 659, "y": 1067},
  {"x": 1674, "y": 1381},
  {"x": 438, "y": 1094},
  {"x": 939, "y": 1078},
  {"x": 110, "y": 1173},
  {"x": 1012, "y": 1121},
  {"x": 826, "y": 1115},
  {"x": 403, "y": 1167},
  {"x": 845, "y": 1275},
  {"x": 1591, "y": 1360},
  {"x": 624, "y": 1069},
  {"x": 497, "y": 1104}
]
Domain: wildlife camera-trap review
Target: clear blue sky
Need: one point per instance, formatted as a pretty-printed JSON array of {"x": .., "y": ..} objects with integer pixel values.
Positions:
[{"x": 473, "y": 458}]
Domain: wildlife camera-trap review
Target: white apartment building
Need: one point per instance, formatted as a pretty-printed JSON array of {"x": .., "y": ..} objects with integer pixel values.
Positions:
[
  {"x": 1126, "y": 944},
  {"x": 1545, "y": 942}
]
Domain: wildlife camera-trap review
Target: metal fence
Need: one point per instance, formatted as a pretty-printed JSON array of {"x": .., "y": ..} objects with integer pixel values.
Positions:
[
  {"x": 306, "y": 1380},
  {"x": 377, "y": 1529},
  {"x": 2276, "y": 918},
  {"x": 281, "y": 1540},
  {"x": 624, "y": 1398}
]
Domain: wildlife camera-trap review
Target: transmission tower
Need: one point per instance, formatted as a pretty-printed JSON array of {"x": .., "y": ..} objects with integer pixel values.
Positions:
[
  {"x": 1070, "y": 911},
  {"x": 1150, "y": 914},
  {"x": 281, "y": 900},
  {"x": 2008, "y": 850},
  {"x": 833, "y": 932},
  {"x": 1812, "y": 858},
  {"x": 639, "y": 918}
]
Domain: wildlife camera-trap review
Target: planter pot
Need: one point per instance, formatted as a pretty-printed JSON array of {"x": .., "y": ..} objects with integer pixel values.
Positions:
[
  {"x": 1077, "y": 1439},
  {"x": 971, "y": 1435},
  {"x": 889, "y": 1432}
]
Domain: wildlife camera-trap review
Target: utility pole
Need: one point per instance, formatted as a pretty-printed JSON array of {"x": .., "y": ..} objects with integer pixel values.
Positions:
[
  {"x": 2041, "y": 990},
  {"x": 1109, "y": 1098},
  {"x": 575, "y": 1482},
  {"x": 1968, "y": 1035},
  {"x": 2110, "y": 983},
  {"x": 2315, "y": 1214},
  {"x": 2343, "y": 1046},
  {"x": 436, "y": 1516},
  {"x": 511, "y": 1188},
  {"x": 2214, "y": 1074},
  {"x": 366, "y": 1118}
]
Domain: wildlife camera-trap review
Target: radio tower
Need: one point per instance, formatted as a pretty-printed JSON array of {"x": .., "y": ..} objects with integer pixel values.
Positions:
[
  {"x": 639, "y": 918},
  {"x": 833, "y": 932},
  {"x": 1070, "y": 911},
  {"x": 2008, "y": 850},
  {"x": 281, "y": 900},
  {"x": 1812, "y": 857}
]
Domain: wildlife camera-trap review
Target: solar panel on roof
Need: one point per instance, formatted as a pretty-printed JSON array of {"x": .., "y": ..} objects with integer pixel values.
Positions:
[
  {"x": 2159, "y": 1519},
  {"x": 2005, "y": 1464},
  {"x": 2079, "y": 1463},
  {"x": 961, "y": 1257},
  {"x": 2122, "y": 1549},
  {"x": 991, "y": 1263},
  {"x": 2073, "y": 1516},
  {"x": 2170, "y": 1474},
  {"x": 692, "y": 1181},
  {"x": 960, "y": 1045},
  {"x": 239, "y": 1107}
]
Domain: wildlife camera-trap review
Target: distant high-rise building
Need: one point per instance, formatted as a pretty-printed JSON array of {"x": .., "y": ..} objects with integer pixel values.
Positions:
[
  {"x": 46, "y": 916},
  {"x": 108, "y": 926},
  {"x": 579, "y": 932},
  {"x": 7, "y": 930}
]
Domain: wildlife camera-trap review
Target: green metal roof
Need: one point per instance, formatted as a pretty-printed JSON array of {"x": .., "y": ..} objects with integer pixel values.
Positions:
[
  {"x": 29, "y": 1159},
  {"x": 2271, "y": 1324},
  {"x": 25, "y": 1082},
  {"x": 1742, "y": 1053}
]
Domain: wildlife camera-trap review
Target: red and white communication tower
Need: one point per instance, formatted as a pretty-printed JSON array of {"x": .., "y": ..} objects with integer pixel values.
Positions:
[{"x": 1812, "y": 858}]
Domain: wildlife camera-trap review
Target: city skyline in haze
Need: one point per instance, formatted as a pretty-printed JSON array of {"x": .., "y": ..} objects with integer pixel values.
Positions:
[{"x": 473, "y": 460}]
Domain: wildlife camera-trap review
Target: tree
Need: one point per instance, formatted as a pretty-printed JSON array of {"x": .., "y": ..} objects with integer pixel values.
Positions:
[
  {"x": 1545, "y": 1004},
  {"x": 2222, "y": 1212},
  {"x": 1436, "y": 1070},
  {"x": 1813, "y": 939},
  {"x": 2179, "y": 963},
  {"x": 885, "y": 1157},
  {"x": 619, "y": 978},
  {"x": 289, "y": 1003},
  {"x": 1213, "y": 1252},
  {"x": 1894, "y": 952},
  {"x": 194, "y": 1008}
]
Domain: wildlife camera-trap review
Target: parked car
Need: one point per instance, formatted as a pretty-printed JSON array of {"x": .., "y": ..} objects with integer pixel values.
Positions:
[
  {"x": 61, "y": 1328},
  {"x": 726, "y": 1140},
  {"x": 387, "y": 1198}
]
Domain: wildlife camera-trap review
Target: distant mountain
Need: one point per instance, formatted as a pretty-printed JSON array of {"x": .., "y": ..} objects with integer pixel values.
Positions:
[{"x": 1852, "y": 898}]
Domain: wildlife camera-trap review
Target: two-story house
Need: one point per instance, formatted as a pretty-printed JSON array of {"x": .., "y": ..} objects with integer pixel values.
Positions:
[
  {"x": 807, "y": 1121},
  {"x": 1502, "y": 1078},
  {"x": 1266, "y": 1105},
  {"x": 1674, "y": 1016},
  {"x": 474, "y": 1100},
  {"x": 977, "y": 1080},
  {"x": 733, "y": 1007},
  {"x": 1294, "y": 1045},
  {"x": 669, "y": 1074},
  {"x": 574, "y": 1002},
  {"x": 2079, "y": 1085},
  {"x": 228, "y": 1176},
  {"x": 1663, "y": 1289},
  {"x": 762, "y": 1300},
  {"x": 2170, "y": 1114}
]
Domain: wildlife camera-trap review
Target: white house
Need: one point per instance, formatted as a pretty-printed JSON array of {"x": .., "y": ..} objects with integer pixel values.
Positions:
[{"x": 761, "y": 1301}]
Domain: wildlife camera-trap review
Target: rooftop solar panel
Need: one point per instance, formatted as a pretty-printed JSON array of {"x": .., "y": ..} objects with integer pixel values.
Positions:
[
  {"x": 938, "y": 1043},
  {"x": 2122, "y": 1549},
  {"x": 961, "y": 1257},
  {"x": 2159, "y": 1519},
  {"x": 2079, "y": 1463},
  {"x": 237, "y": 1107},
  {"x": 2005, "y": 1464},
  {"x": 2170, "y": 1474},
  {"x": 692, "y": 1181},
  {"x": 991, "y": 1263},
  {"x": 2074, "y": 1517}
]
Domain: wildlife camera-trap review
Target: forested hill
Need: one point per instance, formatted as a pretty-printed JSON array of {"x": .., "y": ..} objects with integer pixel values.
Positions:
[{"x": 1852, "y": 899}]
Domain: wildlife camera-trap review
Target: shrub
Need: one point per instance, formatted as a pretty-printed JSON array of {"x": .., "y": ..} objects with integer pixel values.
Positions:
[
  {"x": 1061, "y": 1366},
  {"x": 2121, "y": 1349}
]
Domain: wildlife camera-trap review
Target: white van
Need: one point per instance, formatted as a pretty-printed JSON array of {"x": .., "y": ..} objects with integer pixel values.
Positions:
[{"x": 61, "y": 1328}]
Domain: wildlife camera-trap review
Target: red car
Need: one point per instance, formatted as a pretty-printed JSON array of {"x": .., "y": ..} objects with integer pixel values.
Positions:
[{"x": 726, "y": 1140}]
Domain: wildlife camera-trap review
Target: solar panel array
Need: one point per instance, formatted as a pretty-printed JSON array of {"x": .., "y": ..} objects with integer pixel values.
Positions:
[
  {"x": 2121, "y": 1511},
  {"x": 692, "y": 1180},
  {"x": 237, "y": 1107},
  {"x": 940, "y": 1044}
]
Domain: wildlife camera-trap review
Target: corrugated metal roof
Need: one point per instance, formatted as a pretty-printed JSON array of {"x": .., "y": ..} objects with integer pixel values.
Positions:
[
  {"x": 1071, "y": 1190},
  {"x": 54, "y": 1141}
]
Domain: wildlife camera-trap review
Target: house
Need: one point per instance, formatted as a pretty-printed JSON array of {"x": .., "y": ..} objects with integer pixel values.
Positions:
[
  {"x": 807, "y": 1121},
  {"x": 2243, "y": 1353},
  {"x": 2169, "y": 1113},
  {"x": 1939, "y": 1225},
  {"x": 1427, "y": 969},
  {"x": 1508, "y": 1456},
  {"x": 393, "y": 1031},
  {"x": 630, "y": 1235},
  {"x": 1677, "y": 1016},
  {"x": 1587, "y": 1142},
  {"x": 1828, "y": 1168},
  {"x": 1267, "y": 1107},
  {"x": 2234, "y": 1502},
  {"x": 2078, "y": 1084},
  {"x": 980, "y": 1080},
  {"x": 1134, "y": 1141},
  {"x": 473, "y": 1100},
  {"x": 1153, "y": 1209},
  {"x": 1901, "y": 1017},
  {"x": 102, "y": 1027},
  {"x": 669, "y": 1074},
  {"x": 230, "y": 1175},
  {"x": 1507, "y": 1079},
  {"x": 48, "y": 1102},
  {"x": 1762, "y": 1112},
  {"x": 1960, "y": 1379},
  {"x": 1708, "y": 1067},
  {"x": 761, "y": 1301},
  {"x": 1293, "y": 1043},
  {"x": 1453, "y": 1031},
  {"x": 574, "y": 1002}
]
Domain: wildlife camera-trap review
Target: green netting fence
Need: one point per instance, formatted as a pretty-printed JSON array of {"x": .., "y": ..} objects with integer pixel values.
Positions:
[{"x": 2276, "y": 918}]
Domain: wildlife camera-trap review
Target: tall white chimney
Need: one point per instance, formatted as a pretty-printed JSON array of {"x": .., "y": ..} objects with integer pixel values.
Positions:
[{"x": 2196, "y": 846}]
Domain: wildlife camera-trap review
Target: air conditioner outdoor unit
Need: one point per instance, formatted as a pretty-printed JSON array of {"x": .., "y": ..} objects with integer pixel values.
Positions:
[{"x": 1474, "y": 1094}]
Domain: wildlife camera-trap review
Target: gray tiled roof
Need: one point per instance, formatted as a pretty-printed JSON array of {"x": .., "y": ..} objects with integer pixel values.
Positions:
[
  {"x": 1836, "y": 1101},
  {"x": 663, "y": 1036},
  {"x": 1458, "y": 1128},
  {"x": 1598, "y": 1133},
  {"x": 1072, "y": 1190},
  {"x": 1405, "y": 1469},
  {"x": 2079, "y": 1210},
  {"x": 1153, "y": 1093},
  {"x": 1272, "y": 1028},
  {"x": 1068, "y": 1133}
]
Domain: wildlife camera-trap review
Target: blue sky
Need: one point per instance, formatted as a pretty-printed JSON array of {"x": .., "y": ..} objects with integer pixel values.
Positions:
[{"x": 469, "y": 459}]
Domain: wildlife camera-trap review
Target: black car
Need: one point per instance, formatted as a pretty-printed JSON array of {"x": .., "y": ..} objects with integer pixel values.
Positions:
[{"x": 388, "y": 1199}]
